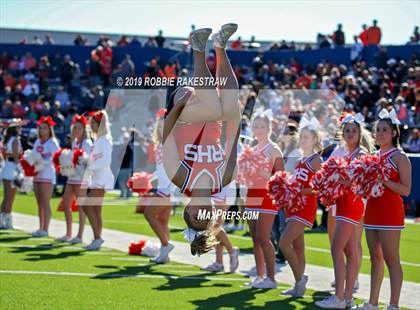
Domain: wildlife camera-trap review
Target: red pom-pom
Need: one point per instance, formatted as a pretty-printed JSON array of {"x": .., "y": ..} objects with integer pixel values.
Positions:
[
  {"x": 77, "y": 154},
  {"x": 135, "y": 247},
  {"x": 368, "y": 174},
  {"x": 140, "y": 182},
  {"x": 73, "y": 206},
  {"x": 285, "y": 192},
  {"x": 277, "y": 188},
  {"x": 56, "y": 160},
  {"x": 28, "y": 169},
  {"x": 250, "y": 163},
  {"x": 326, "y": 180}
]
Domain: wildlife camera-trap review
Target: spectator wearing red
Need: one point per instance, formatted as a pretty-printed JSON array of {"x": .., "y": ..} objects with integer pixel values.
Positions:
[
  {"x": 237, "y": 45},
  {"x": 363, "y": 36},
  {"x": 374, "y": 34},
  {"x": 123, "y": 41},
  {"x": 29, "y": 62}
]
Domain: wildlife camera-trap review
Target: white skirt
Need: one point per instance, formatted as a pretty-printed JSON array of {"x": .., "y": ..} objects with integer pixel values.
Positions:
[
  {"x": 102, "y": 178},
  {"x": 46, "y": 175},
  {"x": 8, "y": 171},
  {"x": 227, "y": 196}
]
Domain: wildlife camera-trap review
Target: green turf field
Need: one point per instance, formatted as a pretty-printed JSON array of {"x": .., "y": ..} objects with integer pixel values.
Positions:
[
  {"x": 123, "y": 218},
  {"x": 44, "y": 274}
]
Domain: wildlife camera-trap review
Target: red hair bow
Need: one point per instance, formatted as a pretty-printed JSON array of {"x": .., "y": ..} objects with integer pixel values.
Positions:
[
  {"x": 46, "y": 119},
  {"x": 81, "y": 119},
  {"x": 343, "y": 116},
  {"x": 96, "y": 115},
  {"x": 161, "y": 113}
]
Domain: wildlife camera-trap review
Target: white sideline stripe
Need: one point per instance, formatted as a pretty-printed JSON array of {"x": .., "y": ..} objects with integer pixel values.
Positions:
[
  {"x": 32, "y": 246},
  {"x": 116, "y": 275},
  {"x": 364, "y": 257},
  {"x": 167, "y": 266}
]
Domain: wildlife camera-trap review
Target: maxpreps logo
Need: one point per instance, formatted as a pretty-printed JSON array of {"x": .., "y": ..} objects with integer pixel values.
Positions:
[{"x": 204, "y": 215}]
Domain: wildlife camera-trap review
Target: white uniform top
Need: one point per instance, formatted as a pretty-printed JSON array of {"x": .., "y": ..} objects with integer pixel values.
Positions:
[
  {"x": 86, "y": 145},
  {"x": 164, "y": 184},
  {"x": 99, "y": 166},
  {"x": 8, "y": 171},
  {"x": 47, "y": 150},
  {"x": 9, "y": 147}
]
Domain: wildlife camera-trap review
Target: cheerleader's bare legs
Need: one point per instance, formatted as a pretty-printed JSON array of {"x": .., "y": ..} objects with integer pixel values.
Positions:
[
  {"x": 224, "y": 242},
  {"x": 43, "y": 193},
  {"x": 93, "y": 212},
  {"x": 9, "y": 196},
  {"x": 292, "y": 244},
  {"x": 384, "y": 248},
  {"x": 73, "y": 191}
]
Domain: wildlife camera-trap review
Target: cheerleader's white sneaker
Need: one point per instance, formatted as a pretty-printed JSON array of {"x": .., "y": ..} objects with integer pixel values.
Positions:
[
  {"x": 7, "y": 221},
  {"x": 64, "y": 239},
  {"x": 221, "y": 38},
  {"x": 199, "y": 39},
  {"x": 214, "y": 267},
  {"x": 350, "y": 303},
  {"x": 265, "y": 284},
  {"x": 2, "y": 220},
  {"x": 391, "y": 307},
  {"x": 331, "y": 302},
  {"x": 95, "y": 245},
  {"x": 234, "y": 260},
  {"x": 163, "y": 256},
  {"x": 366, "y": 306},
  {"x": 254, "y": 281},
  {"x": 75, "y": 240},
  {"x": 299, "y": 289},
  {"x": 40, "y": 233}
]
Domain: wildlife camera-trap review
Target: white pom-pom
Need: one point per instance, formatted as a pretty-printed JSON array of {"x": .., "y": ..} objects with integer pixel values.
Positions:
[{"x": 66, "y": 163}]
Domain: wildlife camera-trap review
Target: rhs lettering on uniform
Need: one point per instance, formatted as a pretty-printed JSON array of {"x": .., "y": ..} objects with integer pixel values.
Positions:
[{"x": 203, "y": 153}]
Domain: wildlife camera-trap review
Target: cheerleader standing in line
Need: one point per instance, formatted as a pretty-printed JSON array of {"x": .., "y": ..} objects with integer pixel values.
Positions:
[
  {"x": 13, "y": 149},
  {"x": 258, "y": 200},
  {"x": 384, "y": 216},
  {"x": 346, "y": 239},
  {"x": 99, "y": 176},
  {"x": 292, "y": 242},
  {"x": 80, "y": 140},
  {"x": 46, "y": 145}
]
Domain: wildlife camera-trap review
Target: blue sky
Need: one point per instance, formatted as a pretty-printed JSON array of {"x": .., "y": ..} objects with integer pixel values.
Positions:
[{"x": 298, "y": 20}]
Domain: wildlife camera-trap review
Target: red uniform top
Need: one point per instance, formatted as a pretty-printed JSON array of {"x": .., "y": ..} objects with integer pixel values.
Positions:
[
  {"x": 349, "y": 207},
  {"x": 258, "y": 198},
  {"x": 200, "y": 153},
  {"x": 304, "y": 173},
  {"x": 387, "y": 211}
]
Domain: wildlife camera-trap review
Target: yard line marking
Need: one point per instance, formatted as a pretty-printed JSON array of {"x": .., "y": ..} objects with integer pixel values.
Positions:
[
  {"x": 139, "y": 259},
  {"x": 118, "y": 275},
  {"x": 167, "y": 266},
  {"x": 105, "y": 253}
]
